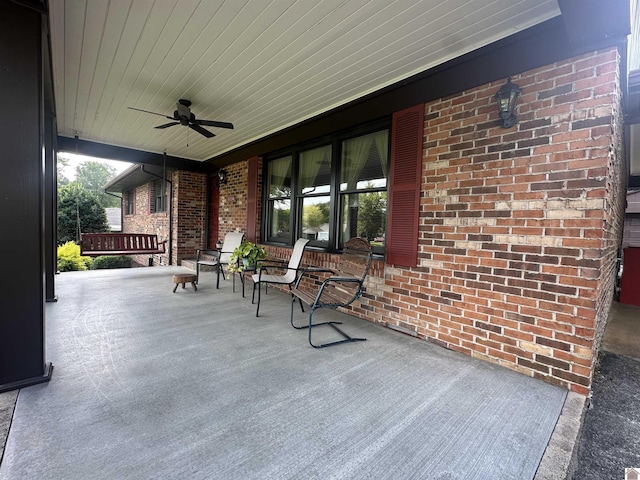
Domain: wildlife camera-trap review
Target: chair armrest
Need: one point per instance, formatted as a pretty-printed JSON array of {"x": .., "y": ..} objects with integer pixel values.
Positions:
[
  {"x": 332, "y": 279},
  {"x": 279, "y": 264},
  {"x": 213, "y": 253},
  {"x": 272, "y": 263},
  {"x": 304, "y": 271},
  {"x": 343, "y": 279}
]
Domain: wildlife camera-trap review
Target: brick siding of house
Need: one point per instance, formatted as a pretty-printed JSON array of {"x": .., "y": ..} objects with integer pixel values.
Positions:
[
  {"x": 519, "y": 228},
  {"x": 233, "y": 200},
  {"x": 188, "y": 215},
  {"x": 143, "y": 221}
]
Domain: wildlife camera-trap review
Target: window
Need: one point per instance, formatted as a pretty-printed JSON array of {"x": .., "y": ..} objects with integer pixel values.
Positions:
[
  {"x": 159, "y": 197},
  {"x": 129, "y": 202},
  {"x": 278, "y": 202},
  {"x": 363, "y": 188},
  {"x": 330, "y": 192},
  {"x": 314, "y": 200}
]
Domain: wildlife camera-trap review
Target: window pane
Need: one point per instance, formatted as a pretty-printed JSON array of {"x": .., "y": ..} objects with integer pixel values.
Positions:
[
  {"x": 365, "y": 162},
  {"x": 130, "y": 202},
  {"x": 315, "y": 170},
  {"x": 279, "y": 177},
  {"x": 279, "y": 220},
  {"x": 160, "y": 199},
  {"x": 365, "y": 215},
  {"x": 315, "y": 220}
]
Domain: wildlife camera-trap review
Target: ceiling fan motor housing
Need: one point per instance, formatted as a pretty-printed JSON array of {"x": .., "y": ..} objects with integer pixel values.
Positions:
[{"x": 184, "y": 120}]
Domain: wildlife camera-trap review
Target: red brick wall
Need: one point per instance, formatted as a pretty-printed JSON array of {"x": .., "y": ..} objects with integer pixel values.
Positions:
[
  {"x": 233, "y": 200},
  {"x": 519, "y": 227},
  {"x": 189, "y": 214},
  {"x": 614, "y": 207},
  {"x": 517, "y": 264},
  {"x": 142, "y": 221}
]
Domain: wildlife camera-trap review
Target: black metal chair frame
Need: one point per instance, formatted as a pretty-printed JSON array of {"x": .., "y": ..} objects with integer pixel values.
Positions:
[
  {"x": 355, "y": 247},
  {"x": 227, "y": 249},
  {"x": 291, "y": 268}
]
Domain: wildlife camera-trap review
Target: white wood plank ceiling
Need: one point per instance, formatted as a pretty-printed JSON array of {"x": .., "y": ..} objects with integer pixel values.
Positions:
[{"x": 262, "y": 65}]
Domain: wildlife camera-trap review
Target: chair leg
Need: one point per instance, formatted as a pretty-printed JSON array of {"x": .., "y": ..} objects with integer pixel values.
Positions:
[
  {"x": 301, "y": 307},
  {"x": 254, "y": 291},
  {"x": 332, "y": 324},
  {"x": 347, "y": 338},
  {"x": 293, "y": 301},
  {"x": 197, "y": 272}
]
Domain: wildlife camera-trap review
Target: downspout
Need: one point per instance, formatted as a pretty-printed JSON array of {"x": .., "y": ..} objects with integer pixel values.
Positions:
[{"x": 170, "y": 208}]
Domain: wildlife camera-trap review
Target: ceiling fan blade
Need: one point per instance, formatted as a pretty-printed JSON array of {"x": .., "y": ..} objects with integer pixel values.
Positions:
[
  {"x": 171, "y": 124},
  {"x": 213, "y": 123},
  {"x": 201, "y": 130},
  {"x": 153, "y": 113}
]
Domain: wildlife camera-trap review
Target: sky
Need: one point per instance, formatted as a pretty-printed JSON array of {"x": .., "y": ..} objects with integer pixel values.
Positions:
[{"x": 75, "y": 160}]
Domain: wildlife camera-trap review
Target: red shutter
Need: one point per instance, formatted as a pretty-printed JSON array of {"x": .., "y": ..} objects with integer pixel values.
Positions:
[
  {"x": 252, "y": 200},
  {"x": 407, "y": 132}
]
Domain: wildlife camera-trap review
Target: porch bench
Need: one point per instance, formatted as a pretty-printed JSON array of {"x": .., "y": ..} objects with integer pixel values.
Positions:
[
  {"x": 96, "y": 244},
  {"x": 333, "y": 288}
]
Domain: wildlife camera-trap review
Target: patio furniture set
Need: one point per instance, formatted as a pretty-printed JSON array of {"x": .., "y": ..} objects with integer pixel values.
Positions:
[{"x": 313, "y": 286}]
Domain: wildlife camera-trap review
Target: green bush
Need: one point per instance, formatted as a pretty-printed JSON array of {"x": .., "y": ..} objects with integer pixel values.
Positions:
[
  {"x": 69, "y": 258},
  {"x": 108, "y": 261}
]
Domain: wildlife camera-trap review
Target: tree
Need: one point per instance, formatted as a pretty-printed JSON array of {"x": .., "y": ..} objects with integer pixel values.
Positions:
[
  {"x": 63, "y": 162},
  {"x": 78, "y": 211},
  {"x": 313, "y": 216},
  {"x": 93, "y": 176},
  {"x": 371, "y": 214}
]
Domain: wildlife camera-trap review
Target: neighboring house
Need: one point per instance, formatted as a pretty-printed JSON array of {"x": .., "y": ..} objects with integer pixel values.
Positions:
[
  {"x": 631, "y": 236},
  {"x": 630, "y": 280},
  {"x": 114, "y": 218}
]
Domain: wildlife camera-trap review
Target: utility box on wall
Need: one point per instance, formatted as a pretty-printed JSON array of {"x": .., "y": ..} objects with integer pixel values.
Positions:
[{"x": 630, "y": 288}]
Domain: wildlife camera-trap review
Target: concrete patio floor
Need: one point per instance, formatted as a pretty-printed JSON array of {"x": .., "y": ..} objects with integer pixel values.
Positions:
[{"x": 153, "y": 384}]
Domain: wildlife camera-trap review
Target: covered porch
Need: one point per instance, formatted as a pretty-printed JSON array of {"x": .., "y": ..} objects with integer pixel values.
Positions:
[{"x": 152, "y": 384}]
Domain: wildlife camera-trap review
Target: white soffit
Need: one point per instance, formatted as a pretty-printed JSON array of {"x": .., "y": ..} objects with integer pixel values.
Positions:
[{"x": 262, "y": 65}]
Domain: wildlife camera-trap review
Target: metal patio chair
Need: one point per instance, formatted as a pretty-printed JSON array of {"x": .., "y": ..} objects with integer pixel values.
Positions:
[
  {"x": 288, "y": 278},
  {"x": 219, "y": 258},
  {"x": 343, "y": 287}
]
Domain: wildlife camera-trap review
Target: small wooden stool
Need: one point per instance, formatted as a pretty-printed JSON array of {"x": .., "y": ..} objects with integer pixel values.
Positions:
[{"x": 183, "y": 278}]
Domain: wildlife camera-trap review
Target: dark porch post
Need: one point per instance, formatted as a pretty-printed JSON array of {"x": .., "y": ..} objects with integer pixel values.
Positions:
[
  {"x": 50, "y": 213},
  {"x": 22, "y": 296}
]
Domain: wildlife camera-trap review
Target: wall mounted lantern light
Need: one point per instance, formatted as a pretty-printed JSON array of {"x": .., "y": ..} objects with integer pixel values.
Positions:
[
  {"x": 507, "y": 97},
  {"x": 222, "y": 175}
]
